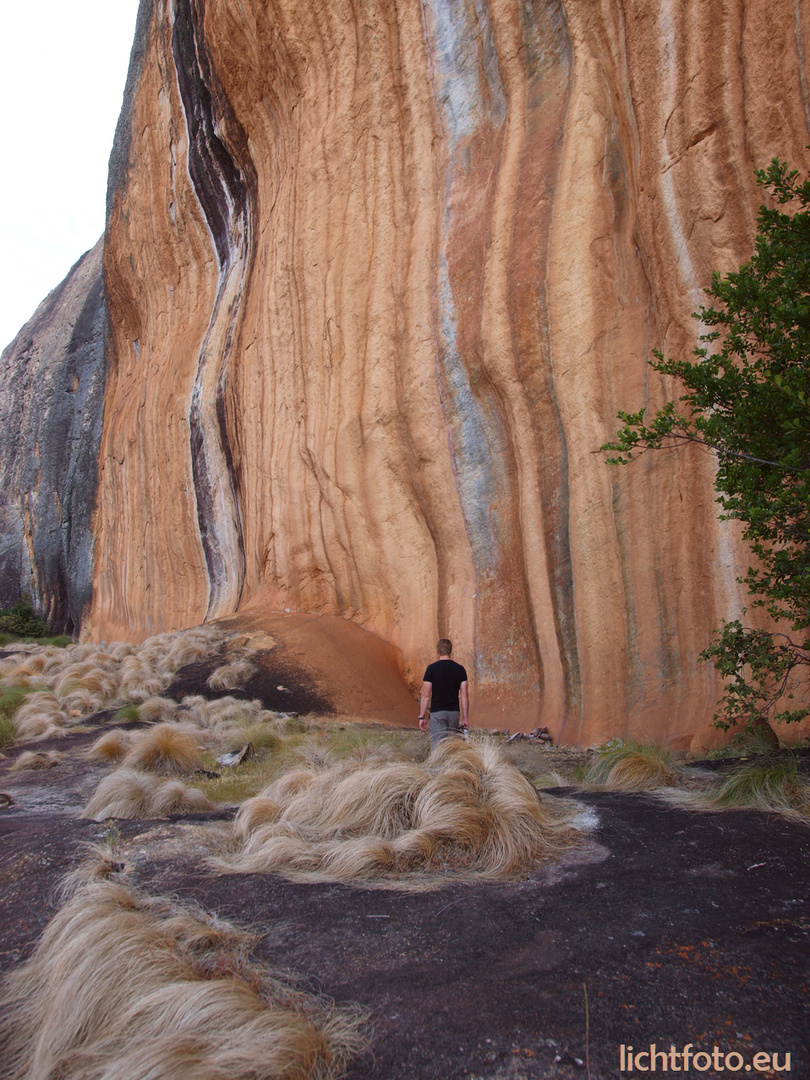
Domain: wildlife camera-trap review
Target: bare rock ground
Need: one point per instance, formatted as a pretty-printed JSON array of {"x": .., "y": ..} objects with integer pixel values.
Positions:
[{"x": 682, "y": 927}]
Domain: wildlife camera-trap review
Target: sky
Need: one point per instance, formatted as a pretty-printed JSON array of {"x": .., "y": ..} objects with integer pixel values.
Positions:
[{"x": 63, "y": 67}]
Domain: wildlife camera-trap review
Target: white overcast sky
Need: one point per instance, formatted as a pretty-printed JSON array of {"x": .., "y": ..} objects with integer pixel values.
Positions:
[{"x": 63, "y": 66}]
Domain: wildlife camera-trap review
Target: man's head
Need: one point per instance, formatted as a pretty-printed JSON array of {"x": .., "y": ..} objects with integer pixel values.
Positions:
[{"x": 444, "y": 646}]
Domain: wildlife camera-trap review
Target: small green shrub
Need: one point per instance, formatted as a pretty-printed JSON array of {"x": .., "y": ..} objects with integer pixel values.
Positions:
[
  {"x": 61, "y": 641},
  {"x": 8, "y": 731},
  {"x": 22, "y": 620},
  {"x": 11, "y": 698},
  {"x": 10, "y": 701},
  {"x": 126, "y": 714}
]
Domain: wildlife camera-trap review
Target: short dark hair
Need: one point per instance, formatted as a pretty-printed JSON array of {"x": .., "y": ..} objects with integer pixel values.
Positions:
[{"x": 444, "y": 646}]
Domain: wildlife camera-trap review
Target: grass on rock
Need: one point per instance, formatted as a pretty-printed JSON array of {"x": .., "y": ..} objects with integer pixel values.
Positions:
[
  {"x": 772, "y": 785},
  {"x": 631, "y": 766}
]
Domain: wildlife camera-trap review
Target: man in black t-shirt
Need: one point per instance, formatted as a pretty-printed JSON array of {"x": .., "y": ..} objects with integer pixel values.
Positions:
[{"x": 445, "y": 683}]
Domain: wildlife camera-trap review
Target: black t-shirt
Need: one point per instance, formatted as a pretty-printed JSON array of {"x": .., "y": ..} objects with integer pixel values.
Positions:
[{"x": 446, "y": 676}]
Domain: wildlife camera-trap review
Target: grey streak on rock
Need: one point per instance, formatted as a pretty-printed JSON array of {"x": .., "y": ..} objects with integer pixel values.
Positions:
[{"x": 52, "y": 379}]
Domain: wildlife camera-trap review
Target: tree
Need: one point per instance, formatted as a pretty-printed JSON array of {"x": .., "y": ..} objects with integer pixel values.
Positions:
[{"x": 748, "y": 401}]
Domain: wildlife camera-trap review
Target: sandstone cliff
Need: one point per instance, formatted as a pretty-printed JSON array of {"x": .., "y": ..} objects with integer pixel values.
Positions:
[{"x": 379, "y": 277}]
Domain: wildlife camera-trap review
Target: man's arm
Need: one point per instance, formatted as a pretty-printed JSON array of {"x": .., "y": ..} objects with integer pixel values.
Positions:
[
  {"x": 427, "y": 690},
  {"x": 465, "y": 704}
]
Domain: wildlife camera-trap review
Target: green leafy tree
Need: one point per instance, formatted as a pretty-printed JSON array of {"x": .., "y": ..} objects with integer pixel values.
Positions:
[{"x": 748, "y": 400}]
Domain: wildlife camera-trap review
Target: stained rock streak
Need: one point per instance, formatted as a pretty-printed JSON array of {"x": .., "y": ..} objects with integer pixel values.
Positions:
[{"x": 224, "y": 181}]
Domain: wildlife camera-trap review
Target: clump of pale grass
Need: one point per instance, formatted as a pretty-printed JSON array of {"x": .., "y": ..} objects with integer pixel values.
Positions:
[
  {"x": 39, "y": 716},
  {"x": 33, "y": 759},
  {"x": 226, "y": 710},
  {"x": 149, "y": 686},
  {"x": 34, "y": 665},
  {"x": 192, "y": 701},
  {"x": 156, "y": 709},
  {"x": 85, "y": 686},
  {"x": 232, "y": 675},
  {"x": 112, "y": 746},
  {"x": 84, "y": 679},
  {"x": 30, "y": 682},
  {"x": 260, "y": 734},
  {"x": 165, "y": 748},
  {"x": 255, "y": 812},
  {"x": 128, "y": 793},
  {"x": 230, "y": 722},
  {"x": 170, "y": 652},
  {"x": 465, "y": 810},
  {"x": 315, "y": 750},
  {"x": 124, "y": 986},
  {"x": 81, "y": 701},
  {"x": 100, "y": 682},
  {"x": 100, "y": 862},
  {"x": 630, "y": 766},
  {"x": 120, "y": 650},
  {"x": 774, "y": 786}
]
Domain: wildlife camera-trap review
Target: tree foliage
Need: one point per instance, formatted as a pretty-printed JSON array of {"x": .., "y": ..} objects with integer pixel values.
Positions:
[{"x": 748, "y": 400}]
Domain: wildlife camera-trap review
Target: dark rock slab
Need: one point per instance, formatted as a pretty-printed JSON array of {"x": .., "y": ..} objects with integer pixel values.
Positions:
[
  {"x": 683, "y": 927},
  {"x": 52, "y": 379}
]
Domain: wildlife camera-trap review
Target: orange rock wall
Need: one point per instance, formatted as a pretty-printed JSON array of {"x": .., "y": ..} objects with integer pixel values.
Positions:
[{"x": 380, "y": 275}]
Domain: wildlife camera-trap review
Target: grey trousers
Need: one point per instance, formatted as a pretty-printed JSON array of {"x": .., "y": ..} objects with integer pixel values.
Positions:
[{"x": 443, "y": 724}]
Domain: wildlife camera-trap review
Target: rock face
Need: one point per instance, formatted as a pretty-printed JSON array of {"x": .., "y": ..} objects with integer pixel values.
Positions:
[
  {"x": 51, "y": 406},
  {"x": 379, "y": 277}
]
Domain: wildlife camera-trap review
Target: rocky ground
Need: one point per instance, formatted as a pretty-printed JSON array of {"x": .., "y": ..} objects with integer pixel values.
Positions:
[{"x": 664, "y": 926}]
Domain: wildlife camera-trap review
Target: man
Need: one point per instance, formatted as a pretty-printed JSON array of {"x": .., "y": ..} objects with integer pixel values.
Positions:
[{"x": 444, "y": 683}]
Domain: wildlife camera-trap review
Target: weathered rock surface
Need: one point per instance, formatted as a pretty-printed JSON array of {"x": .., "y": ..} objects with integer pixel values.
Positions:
[
  {"x": 51, "y": 406},
  {"x": 380, "y": 276}
]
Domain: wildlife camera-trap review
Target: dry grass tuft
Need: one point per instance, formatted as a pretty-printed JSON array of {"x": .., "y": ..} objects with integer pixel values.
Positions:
[
  {"x": 629, "y": 766},
  {"x": 100, "y": 863},
  {"x": 127, "y": 793},
  {"x": 261, "y": 734},
  {"x": 255, "y": 812},
  {"x": 39, "y": 717},
  {"x": 232, "y": 675},
  {"x": 32, "y": 759},
  {"x": 81, "y": 701},
  {"x": 165, "y": 748},
  {"x": 316, "y": 750},
  {"x": 149, "y": 686},
  {"x": 155, "y": 710},
  {"x": 465, "y": 810},
  {"x": 84, "y": 679},
  {"x": 113, "y": 745},
  {"x": 34, "y": 665},
  {"x": 224, "y": 711},
  {"x": 124, "y": 986}
]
